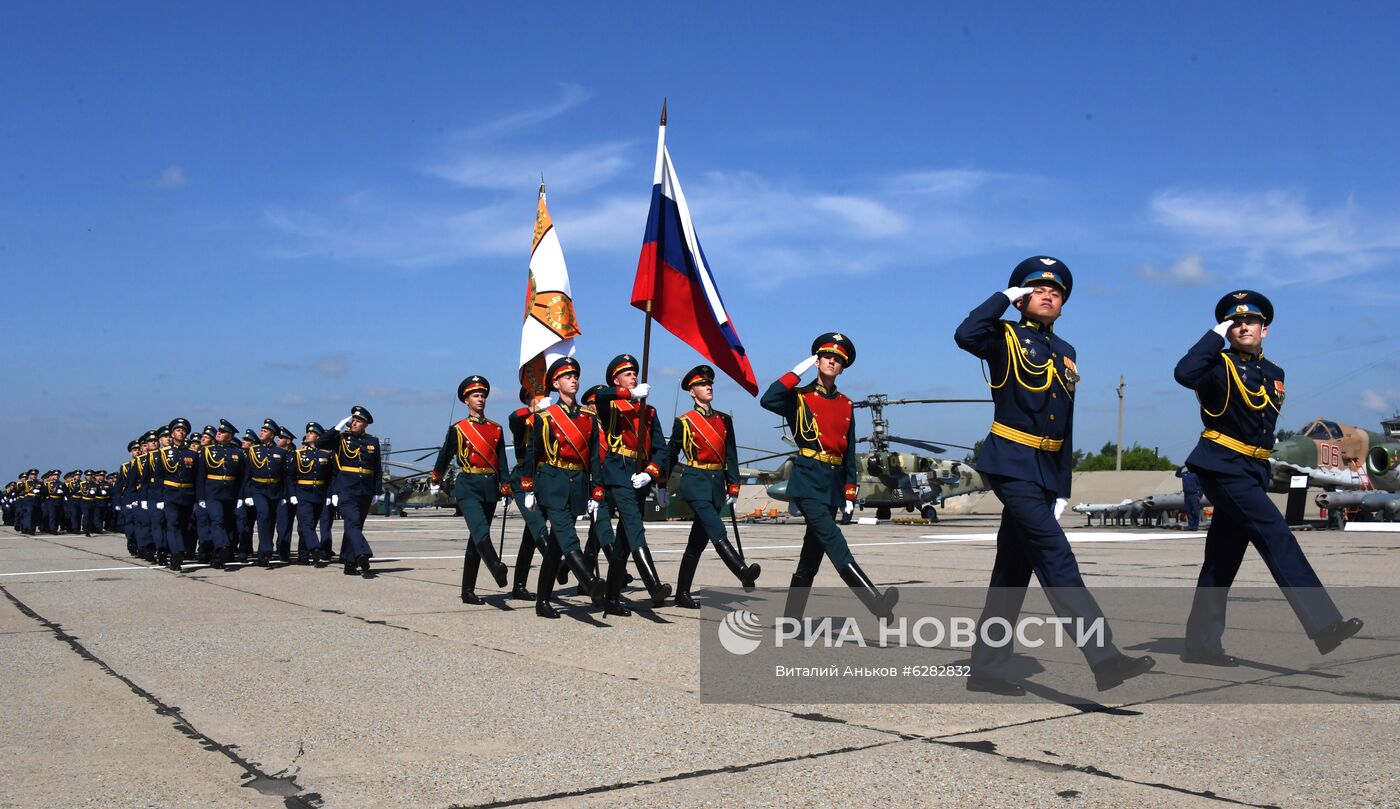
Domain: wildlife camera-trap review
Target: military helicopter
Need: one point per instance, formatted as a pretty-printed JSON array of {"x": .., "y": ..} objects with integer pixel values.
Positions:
[
  {"x": 890, "y": 479},
  {"x": 413, "y": 490}
]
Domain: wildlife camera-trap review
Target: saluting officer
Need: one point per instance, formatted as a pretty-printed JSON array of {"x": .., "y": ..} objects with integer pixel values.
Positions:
[
  {"x": 358, "y": 480},
  {"x": 72, "y": 510},
  {"x": 312, "y": 468},
  {"x": 175, "y": 470},
  {"x": 634, "y": 452},
  {"x": 1240, "y": 394},
  {"x": 560, "y": 470},
  {"x": 535, "y": 534},
  {"x": 710, "y": 481},
  {"x": 218, "y": 483},
  {"x": 1026, "y": 461},
  {"x": 824, "y": 477},
  {"x": 479, "y": 447},
  {"x": 266, "y": 474},
  {"x": 122, "y": 496}
]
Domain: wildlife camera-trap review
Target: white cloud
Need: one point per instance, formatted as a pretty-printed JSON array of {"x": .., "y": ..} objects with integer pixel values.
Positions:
[
  {"x": 172, "y": 177},
  {"x": 1384, "y": 402},
  {"x": 577, "y": 169},
  {"x": 1189, "y": 271},
  {"x": 571, "y": 95}
]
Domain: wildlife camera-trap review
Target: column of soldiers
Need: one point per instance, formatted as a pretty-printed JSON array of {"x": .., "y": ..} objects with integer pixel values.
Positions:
[{"x": 79, "y": 503}]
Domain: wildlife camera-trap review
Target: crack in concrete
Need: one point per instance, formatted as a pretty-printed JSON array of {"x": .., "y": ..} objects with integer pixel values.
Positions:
[{"x": 282, "y": 786}]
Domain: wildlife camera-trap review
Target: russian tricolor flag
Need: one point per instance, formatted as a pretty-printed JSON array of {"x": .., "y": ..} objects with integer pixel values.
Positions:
[{"x": 674, "y": 284}]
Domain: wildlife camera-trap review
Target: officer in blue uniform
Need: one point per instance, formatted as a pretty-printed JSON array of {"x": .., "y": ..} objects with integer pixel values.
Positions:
[
  {"x": 823, "y": 479},
  {"x": 710, "y": 482},
  {"x": 286, "y": 510},
  {"x": 1191, "y": 496},
  {"x": 1026, "y": 461},
  {"x": 358, "y": 480},
  {"x": 106, "y": 516},
  {"x": 266, "y": 478},
  {"x": 205, "y": 552},
  {"x": 478, "y": 445},
  {"x": 218, "y": 481},
  {"x": 535, "y": 534},
  {"x": 175, "y": 471},
  {"x": 51, "y": 504},
  {"x": 121, "y": 496},
  {"x": 634, "y": 455},
  {"x": 311, "y": 472},
  {"x": 245, "y": 515},
  {"x": 26, "y": 517},
  {"x": 72, "y": 503},
  {"x": 1240, "y": 393}
]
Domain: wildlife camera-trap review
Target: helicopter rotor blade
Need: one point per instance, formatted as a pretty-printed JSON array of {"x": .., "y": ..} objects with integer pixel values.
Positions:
[
  {"x": 430, "y": 454},
  {"x": 414, "y": 449},
  {"x": 751, "y": 461},
  {"x": 917, "y": 444}
]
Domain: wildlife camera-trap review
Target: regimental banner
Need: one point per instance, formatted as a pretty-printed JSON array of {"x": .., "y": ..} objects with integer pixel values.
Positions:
[{"x": 549, "y": 326}]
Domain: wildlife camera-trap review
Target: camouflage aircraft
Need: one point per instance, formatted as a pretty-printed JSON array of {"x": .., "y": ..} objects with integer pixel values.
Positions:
[
  {"x": 1339, "y": 456},
  {"x": 891, "y": 479}
]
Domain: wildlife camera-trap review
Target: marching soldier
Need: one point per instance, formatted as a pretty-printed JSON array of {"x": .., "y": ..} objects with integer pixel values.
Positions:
[
  {"x": 122, "y": 496},
  {"x": 286, "y": 510},
  {"x": 106, "y": 516},
  {"x": 1240, "y": 394},
  {"x": 27, "y": 515},
  {"x": 140, "y": 491},
  {"x": 710, "y": 482},
  {"x": 536, "y": 530},
  {"x": 89, "y": 503},
  {"x": 176, "y": 473},
  {"x": 634, "y": 451},
  {"x": 266, "y": 479},
  {"x": 72, "y": 503},
  {"x": 201, "y": 513},
  {"x": 312, "y": 468},
  {"x": 478, "y": 444},
  {"x": 218, "y": 482},
  {"x": 823, "y": 478},
  {"x": 245, "y": 515},
  {"x": 7, "y": 503},
  {"x": 1026, "y": 461},
  {"x": 358, "y": 480},
  {"x": 560, "y": 471},
  {"x": 51, "y": 506}
]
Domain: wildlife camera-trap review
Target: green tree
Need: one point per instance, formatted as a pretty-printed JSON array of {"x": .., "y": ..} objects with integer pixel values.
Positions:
[{"x": 1135, "y": 458}]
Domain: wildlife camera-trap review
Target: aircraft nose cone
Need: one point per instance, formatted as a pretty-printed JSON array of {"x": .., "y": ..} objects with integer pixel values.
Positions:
[{"x": 778, "y": 491}]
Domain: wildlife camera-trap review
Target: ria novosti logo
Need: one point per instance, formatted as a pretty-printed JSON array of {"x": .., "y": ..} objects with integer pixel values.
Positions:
[{"x": 740, "y": 632}]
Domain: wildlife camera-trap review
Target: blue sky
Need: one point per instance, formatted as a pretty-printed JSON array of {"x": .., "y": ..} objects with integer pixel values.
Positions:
[{"x": 280, "y": 212}]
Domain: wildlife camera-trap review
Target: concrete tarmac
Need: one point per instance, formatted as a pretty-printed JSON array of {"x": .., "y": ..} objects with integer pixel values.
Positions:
[{"x": 125, "y": 685}]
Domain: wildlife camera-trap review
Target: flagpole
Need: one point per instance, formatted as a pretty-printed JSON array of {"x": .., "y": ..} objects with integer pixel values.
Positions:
[{"x": 643, "y": 428}]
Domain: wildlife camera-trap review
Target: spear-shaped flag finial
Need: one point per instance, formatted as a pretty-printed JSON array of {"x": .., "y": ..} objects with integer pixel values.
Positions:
[{"x": 663, "y": 111}]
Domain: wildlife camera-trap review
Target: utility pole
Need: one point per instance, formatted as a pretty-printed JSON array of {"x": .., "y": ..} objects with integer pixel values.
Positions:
[{"x": 1118, "y": 461}]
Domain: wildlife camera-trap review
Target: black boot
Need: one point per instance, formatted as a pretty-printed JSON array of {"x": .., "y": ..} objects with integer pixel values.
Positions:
[
  {"x": 798, "y": 591},
  {"x": 177, "y": 562},
  {"x": 683, "y": 580},
  {"x": 350, "y": 567},
  {"x": 163, "y": 557},
  {"x": 746, "y": 574},
  {"x": 363, "y": 561},
  {"x": 595, "y": 587},
  {"x": 523, "y": 558},
  {"x": 471, "y": 562},
  {"x": 548, "y": 569},
  {"x": 487, "y": 552},
  {"x": 615, "y": 605},
  {"x": 647, "y": 569},
  {"x": 881, "y": 605}
]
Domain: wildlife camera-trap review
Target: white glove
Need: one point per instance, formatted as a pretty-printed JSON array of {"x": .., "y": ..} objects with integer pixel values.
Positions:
[
  {"x": 342, "y": 424},
  {"x": 1014, "y": 294},
  {"x": 248, "y": 501},
  {"x": 802, "y": 367},
  {"x": 335, "y": 500},
  {"x": 662, "y": 497},
  {"x": 641, "y": 391},
  {"x": 143, "y": 504},
  {"x": 160, "y": 506},
  {"x": 850, "y": 507},
  {"x": 529, "y": 500},
  {"x": 592, "y": 509},
  {"x": 1059, "y": 507},
  {"x": 1222, "y": 327},
  {"x": 201, "y": 505},
  {"x": 731, "y": 500},
  {"x": 433, "y": 488},
  {"x": 640, "y": 479},
  {"x": 292, "y": 500}
]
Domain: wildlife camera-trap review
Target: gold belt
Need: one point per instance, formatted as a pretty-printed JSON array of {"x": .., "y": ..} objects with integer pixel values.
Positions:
[
  {"x": 708, "y": 467},
  {"x": 1026, "y": 439},
  {"x": 824, "y": 457},
  {"x": 625, "y": 452},
  {"x": 572, "y": 467},
  {"x": 310, "y": 482},
  {"x": 175, "y": 485},
  {"x": 357, "y": 470},
  {"x": 478, "y": 470},
  {"x": 220, "y": 477},
  {"x": 1237, "y": 445},
  {"x": 267, "y": 480}
]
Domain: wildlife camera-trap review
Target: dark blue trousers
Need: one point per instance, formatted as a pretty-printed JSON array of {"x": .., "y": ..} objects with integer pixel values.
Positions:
[
  {"x": 1030, "y": 540},
  {"x": 353, "y": 511},
  {"x": 50, "y": 510},
  {"x": 329, "y": 514},
  {"x": 309, "y": 516},
  {"x": 179, "y": 525},
  {"x": 268, "y": 511},
  {"x": 1193, "y": 510},
  {"x": 1245, "y": 515},
  {"x": 223, "y": 526}
]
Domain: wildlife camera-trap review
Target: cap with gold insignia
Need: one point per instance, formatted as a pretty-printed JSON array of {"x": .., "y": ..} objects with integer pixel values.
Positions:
[
  {"x": 591, "y": 395},
  {"x": 471, "y": 385},
  {"x": 359, "y": 412},
  {"x": 148, "y": 436},
  {"x": 562, "y": 366},
  {"x": 620, "y": 364},
  {"x": 313, "y": 427},
  {"x": 271, "y": 426},
  {"x": 283, "y": 432},
  {"x": 131, "y": 445},
  {"x": 208, "y": 430},
  {"x": 180, "y": 423},
  {"x": 163, "y": 432},
  {"x": 250, "y": 436},
  {"x": 1043, "y": 270},
  {"x": 226, "y": 426},
  {"x": 1243, "y": 303},
  {"x": 836, "y": 344},
  {"x": 699, "y": 375}
]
